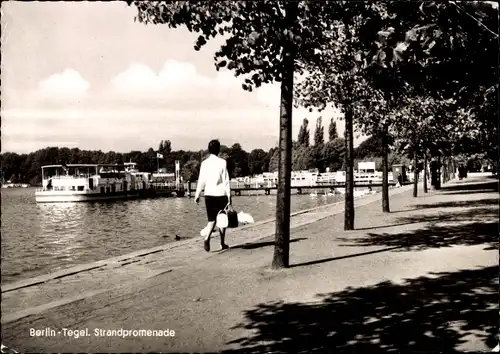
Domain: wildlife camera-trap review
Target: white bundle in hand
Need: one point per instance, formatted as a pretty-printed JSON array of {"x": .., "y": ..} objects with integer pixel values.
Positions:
[
  {"x": 204, "y": 232},
  {"x": 245, "y": 218}
]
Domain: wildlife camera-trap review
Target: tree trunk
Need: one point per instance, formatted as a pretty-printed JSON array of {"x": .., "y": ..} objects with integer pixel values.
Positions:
[
  {"x": 385, "y": 171},
  {"x": 281, "y": 255},
  {"x": 349, "y": 144},
  {"x": 349, "y": 171},
  {"x": 445, "y": 169},
  {"x": 437, "y": 185},
  {"x": 425, "y": 173},
  {"x": 450, "y": 168},
  {"x": 415, "y": 175}
]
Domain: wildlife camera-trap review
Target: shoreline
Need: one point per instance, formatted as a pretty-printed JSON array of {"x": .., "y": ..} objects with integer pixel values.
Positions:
[{"x": 323, "y": 210}]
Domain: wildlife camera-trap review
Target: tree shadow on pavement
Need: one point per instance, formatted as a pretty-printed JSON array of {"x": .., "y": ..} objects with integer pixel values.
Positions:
[
  {"x": 493, "y": 186},
  {"x": 456, "y": 216},
  {"x": 325, "y": 260},
  {"x": 402, "y": 211},
  {"x": 473, "y": 226},
  {"x": 457, "y": 204},
  {"x": 434, "y": 236},
  {"x": 471, "y": 192},
  {"x": 250, "y": 246},
  {"x": 381, "y": 226},
  {"x": 469, "y": 214},
  {"x": 426, "y": 314}
]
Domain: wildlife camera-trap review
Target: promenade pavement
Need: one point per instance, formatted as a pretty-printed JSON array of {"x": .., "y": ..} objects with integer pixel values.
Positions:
[{"x": 423, "y": 277}]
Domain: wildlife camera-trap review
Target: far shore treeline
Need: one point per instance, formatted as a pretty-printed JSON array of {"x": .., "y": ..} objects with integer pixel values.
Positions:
[{"x": 26, "y": 168}]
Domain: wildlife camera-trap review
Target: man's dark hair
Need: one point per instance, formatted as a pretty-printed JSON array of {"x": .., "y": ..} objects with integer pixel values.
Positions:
[{"x": 214, "y": 147}]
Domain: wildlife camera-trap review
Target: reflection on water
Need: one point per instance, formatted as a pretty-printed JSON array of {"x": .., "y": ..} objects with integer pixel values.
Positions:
[{"x": 41, "y": 238}]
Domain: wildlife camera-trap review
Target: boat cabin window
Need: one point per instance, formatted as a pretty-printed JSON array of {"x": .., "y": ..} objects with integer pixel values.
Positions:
[{"x": 80, "y": 188}]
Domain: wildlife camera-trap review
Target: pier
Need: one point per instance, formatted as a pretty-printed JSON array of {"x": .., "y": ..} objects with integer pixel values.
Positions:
[
  {"x": 237, "y": 188},
  {"x": 165, "y": 190},
  {"x": 299, "y": 189}
]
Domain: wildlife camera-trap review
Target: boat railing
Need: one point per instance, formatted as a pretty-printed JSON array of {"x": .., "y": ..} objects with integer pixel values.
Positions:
[{"x": 70, "y": 177}]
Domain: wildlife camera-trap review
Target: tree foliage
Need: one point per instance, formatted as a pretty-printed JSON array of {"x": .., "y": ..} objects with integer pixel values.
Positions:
[
  {"x": 254, "y": 32},
  {"x": 302, "y": 158},
  {"x": 304, "y": 134},
  {"x": 190, "y": 170},
  {"x": 371, "y": 147},
  {"x": 333, "y": 155},
  {"x": 319, "y": 133},
  {"x": 239, "y": 159},
  {"x": 273, "y": 159},
  {"x": 332, "y": 131},
  {"x": 258, "y": 161},
  {"x": 455, "y": 44},
  {"x": 165, "y": 147}
]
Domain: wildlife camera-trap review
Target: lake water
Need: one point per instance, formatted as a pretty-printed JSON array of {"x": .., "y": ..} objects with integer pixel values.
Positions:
[{"x": 42, "y": 238}]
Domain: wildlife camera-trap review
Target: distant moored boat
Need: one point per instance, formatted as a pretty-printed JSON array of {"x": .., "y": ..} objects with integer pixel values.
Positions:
[
  {"x": 15, "y": 185},
  {"x": 94, "y": 182}
]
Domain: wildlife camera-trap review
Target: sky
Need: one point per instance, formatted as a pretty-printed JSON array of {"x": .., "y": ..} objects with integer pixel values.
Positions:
[{"x": 86, "y": 75}]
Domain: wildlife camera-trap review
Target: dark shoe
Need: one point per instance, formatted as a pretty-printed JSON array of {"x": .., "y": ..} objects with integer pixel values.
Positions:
[
  {"x": 206, "y": 245},
  {"x": 224, "y": 247}
]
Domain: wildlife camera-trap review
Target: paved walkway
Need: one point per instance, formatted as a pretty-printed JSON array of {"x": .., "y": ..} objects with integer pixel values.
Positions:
[{"x": 423, "y": 277}]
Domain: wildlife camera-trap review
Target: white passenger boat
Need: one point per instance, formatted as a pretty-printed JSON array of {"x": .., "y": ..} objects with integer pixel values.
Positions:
[{"x": 91, "y": 182}]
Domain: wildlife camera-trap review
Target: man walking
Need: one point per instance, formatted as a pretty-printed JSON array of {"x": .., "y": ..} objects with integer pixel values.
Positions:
[{"x": 214, "y": 179}]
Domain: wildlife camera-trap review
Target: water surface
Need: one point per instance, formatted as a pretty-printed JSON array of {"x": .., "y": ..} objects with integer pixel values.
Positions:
[{"x": 42, "y": 238}]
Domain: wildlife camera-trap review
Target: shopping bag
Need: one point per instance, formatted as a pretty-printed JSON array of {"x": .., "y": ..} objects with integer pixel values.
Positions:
[{"x": 232, "y": 218}]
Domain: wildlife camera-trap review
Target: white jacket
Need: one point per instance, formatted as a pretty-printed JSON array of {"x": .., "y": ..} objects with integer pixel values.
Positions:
[{"x": 214, "y": 178}]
